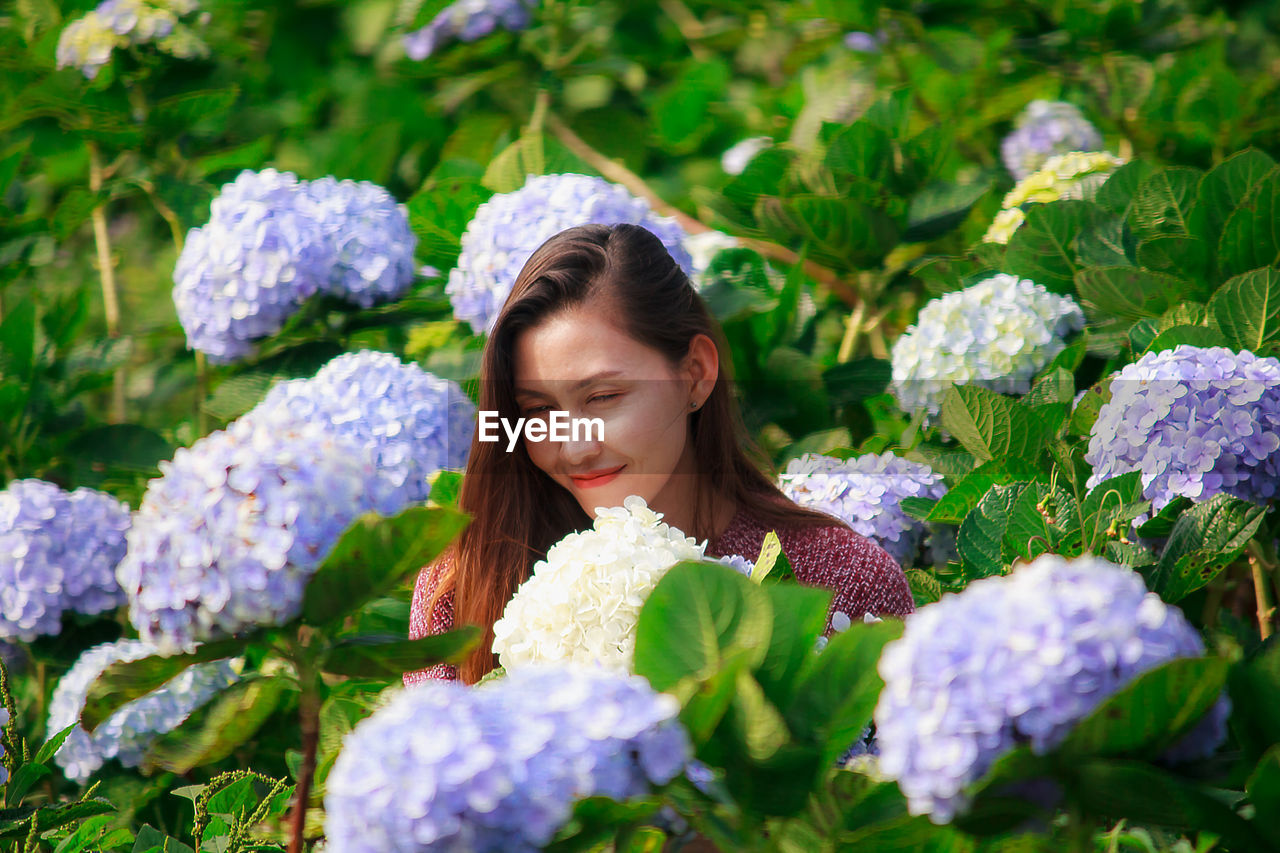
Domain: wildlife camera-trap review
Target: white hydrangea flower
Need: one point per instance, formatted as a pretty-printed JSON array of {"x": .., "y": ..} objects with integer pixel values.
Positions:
[
  {"x": 1076, "y": 175},
  {"x": 996, "y": 333},
  {"x": 581, "y": 604},
  {"x": 702, "y": 248},
  {"x": 736, "y": 158}
]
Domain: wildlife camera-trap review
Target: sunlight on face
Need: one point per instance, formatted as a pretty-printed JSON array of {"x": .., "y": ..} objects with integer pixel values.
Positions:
[{"x": 578, "y": 361}]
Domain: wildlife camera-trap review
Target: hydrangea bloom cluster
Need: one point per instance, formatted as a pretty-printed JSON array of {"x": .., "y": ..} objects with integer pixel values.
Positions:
[
  {"x": 500, "y": 766},
  {"x": 128, "y": 732},
  {"x": 1196, "y": 422},
  {"x": 734, "y": 160},
  {"x": 228, "y": 535},
  {"x": 272, "y": 242},
  {"x": 510, "y": 226},
  {"x": 87, "y": 42},
  {"x": 1076, "y": 175},
  {"x": 414, "y": 422},
  {"x": 1046, "y": 129},
  {"x": 1019, "y": 660},
  {"x": 860, "y": 42},
  {"x": 996, "y": 333},
  {"x": 865, "y": 493},
  {"x": 468, "y": 20},
  {"x": 582, "y": 602},
  {"x": 58, "y": 553}
]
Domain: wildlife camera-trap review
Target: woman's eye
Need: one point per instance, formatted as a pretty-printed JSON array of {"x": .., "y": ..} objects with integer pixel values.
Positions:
[
  {"x": 534, "y": 410},
  {"x": 602, "y": 397}
]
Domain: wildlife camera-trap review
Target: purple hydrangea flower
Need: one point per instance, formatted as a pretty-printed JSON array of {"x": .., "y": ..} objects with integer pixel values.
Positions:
[
  {"x": 1196, "y": 422},
  {"x": 996, "y": 333},
  {"x": 58, "y": 553},
  {"x": 1045, "y": 129},
  {"x": 738, "y": 563},
  {"x": 128, "y": 732},
  {"x": 260, "y": 257},
  {"x": 468, "y": 20},
  {"x": 864, "y": 42},
  {"x": 273, "y": 242},
  {"x": 865, "y": 493},
  {"x": 229, "y": 534},
  {"x": 510, "y": 226},
  {"x": 414, "y": 422},
  {"x": 1020, "y": 659},
  {"x": 499, "y": 767},
  {"x": 369, "y": 238}
]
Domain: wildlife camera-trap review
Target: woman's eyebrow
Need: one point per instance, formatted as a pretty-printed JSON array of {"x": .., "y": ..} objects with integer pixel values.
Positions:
[{"x": 577, "y": 385}]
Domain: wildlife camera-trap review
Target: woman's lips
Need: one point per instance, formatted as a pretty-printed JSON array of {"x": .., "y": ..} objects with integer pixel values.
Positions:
[{"x": 596, "y": 478}]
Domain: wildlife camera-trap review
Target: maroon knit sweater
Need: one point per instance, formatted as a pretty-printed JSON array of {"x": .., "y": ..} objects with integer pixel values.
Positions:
[{"x": 864, "y": 578}]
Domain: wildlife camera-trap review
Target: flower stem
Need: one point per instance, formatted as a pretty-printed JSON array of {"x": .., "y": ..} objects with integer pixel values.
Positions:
[
  {"x": 106, "y": 273},
  {"x": 620, "y": 174},
  {"x": 309, "y": 724},
  {"x": 1262, "y": 564}
]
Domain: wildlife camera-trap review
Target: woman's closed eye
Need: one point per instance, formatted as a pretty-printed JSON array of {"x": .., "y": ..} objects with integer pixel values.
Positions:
[{"x": 600, "y": 398}]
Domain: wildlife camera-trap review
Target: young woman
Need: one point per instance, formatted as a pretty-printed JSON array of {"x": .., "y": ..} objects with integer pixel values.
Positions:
[{"x": 602, "y": 323}]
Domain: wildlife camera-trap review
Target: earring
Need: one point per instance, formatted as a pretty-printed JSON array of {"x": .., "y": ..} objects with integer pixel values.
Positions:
[{"x": 693, "y": 405}]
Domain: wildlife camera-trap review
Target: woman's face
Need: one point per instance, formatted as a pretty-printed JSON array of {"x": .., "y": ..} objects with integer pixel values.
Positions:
[{"x": 580, "y": 362}]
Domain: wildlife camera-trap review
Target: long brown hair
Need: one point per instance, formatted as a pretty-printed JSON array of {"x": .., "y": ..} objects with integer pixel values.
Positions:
[{"x": 518, "y": 512}]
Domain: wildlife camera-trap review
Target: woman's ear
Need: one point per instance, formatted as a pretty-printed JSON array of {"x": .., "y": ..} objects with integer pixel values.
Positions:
[{"x": 703, "y": 367}]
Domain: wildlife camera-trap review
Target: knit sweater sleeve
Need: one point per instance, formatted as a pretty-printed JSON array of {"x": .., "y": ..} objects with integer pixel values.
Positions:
[
  {"x": 861, "y": 575},
  {"x": 439, "y": 620}
]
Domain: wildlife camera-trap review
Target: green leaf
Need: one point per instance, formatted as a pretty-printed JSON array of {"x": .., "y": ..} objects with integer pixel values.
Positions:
[
  {"x": 1251, "y": 235},
  {"x": 925, "y": 588},
  {"x": 772, "y": 563},
  {"x": 1056, "y": 386},
  {"x": 1149, "y": 714},
  {"x": 1247, "y": 310},
  {"x": 375, "y": 554},
  {"x": 992, "y": 426},
  {"x": 1041, "y": 247},
  {"x": 182, "y": 112},
  {"x": 1196, "y": 336},
  {"x": 50, "y": 747},
  {"x": 152, "y": 840},
  {"x": 941, "y": 207},
  {"x": 981, "y": 536},
  {"x": 25, "y": 776},
  {"x": 1143, "y": 794},
  {"x": 1127, "y": 292},
  {"x": 857, "y": 380},
  {"x": 1113, "y": 502},
  {"x": 18, "y": 339},
  {"x": 1180, "y": 256},
  {"x": 1116, "y": 194},
  {"x": 1254, "y": 684},
  {"x": 439, "y": 214},
  {"x": 389, "y": 657},
  {"x": 680, "y": 116},
  {"x": 122, "y": 682},
  {"x": 531, "y": 154},
  {"x": 861, "y": 149},
  {"x": 1264, "y": 792},
  {"x": 1227, "y": 184},
  {"x": 220, "y": 727},
  {"x": 1041, "y": 520},
  {"x": 1163, "y": 203},
  {"x": 697, "y": 618},
  {"x": 838, "y": 690},
  {"x": 122, "y": 447},
  {"x": 50, "y": 816},
  {"x": 1205, "y": 539},
  {"x": 799, "y": 617},
  {"x": 961, "y": 498},
  {"x": 845, "y": 232}
]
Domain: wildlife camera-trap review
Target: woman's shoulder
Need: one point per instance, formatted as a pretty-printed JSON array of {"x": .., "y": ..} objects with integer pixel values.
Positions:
[{"x": 425, "y": 620}]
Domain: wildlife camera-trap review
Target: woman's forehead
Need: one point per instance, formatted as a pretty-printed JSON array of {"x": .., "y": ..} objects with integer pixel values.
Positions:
[{"x": 581, "y": 345}]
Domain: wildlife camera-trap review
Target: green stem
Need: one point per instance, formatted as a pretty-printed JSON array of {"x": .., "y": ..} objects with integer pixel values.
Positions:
[
  {"x": 849, "y": 344},
  {"x": 106, "y": 273},
  {"x": 1262, "y": 566},
  {"x": 202, "y": 393}
]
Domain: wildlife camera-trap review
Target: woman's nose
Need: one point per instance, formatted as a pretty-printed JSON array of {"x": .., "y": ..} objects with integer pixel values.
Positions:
[{"x": 579, "y": 450}]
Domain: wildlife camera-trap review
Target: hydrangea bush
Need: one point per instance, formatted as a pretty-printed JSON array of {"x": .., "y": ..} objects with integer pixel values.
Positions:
[
  {"x": 865, "y": 492},
  {"x": 508, "y": 228},
  {"x": 1017, "y": 660},
  {"x": 468, "y": 20},
  {"x": 128, "y": 732},
  {"x": 1196, "y": 422},
  {"x": 413, "y": 422},
  {"x": 88, "y": 42},
  {"x": 500, "y": 766},
  {"x": 272, "y": 242},
  {"x": 996, "y": 333},
  {"x": 1076, "y": 175},
  {"x": 58, "y": 554},
  {"x": 227, "y": 537},
  {"x": 1046, "y": 129},
  {"x": 581, "y": 603}
]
